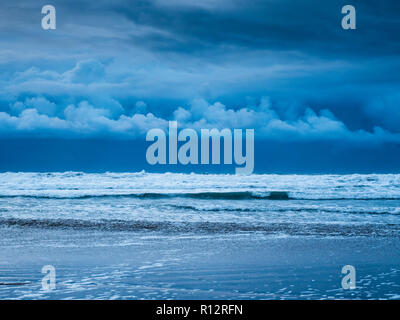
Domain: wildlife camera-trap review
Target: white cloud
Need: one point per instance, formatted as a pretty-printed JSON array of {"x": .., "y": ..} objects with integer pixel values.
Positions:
[
  {"x": 86, "y": 101},
  {"x": 87, "y": 120},
  {"x": 86, "y": 71},
  {"x": 41, "y": 104}
]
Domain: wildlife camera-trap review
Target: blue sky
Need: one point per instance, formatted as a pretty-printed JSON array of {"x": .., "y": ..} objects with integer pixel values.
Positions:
[{"x": 115, "y": 69}]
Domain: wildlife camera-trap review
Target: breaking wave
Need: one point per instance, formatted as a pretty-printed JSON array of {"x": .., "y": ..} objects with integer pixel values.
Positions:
[
  {"x": 236, "y": 195},
  {"x": 292, "y": 229}
]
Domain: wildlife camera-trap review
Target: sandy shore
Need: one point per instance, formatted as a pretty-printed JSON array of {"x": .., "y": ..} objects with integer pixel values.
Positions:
[{"x": 119, "y": 265}]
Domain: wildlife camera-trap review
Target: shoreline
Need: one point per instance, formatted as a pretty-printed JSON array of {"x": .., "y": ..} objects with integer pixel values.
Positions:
[{"x": 116, "y": 265}]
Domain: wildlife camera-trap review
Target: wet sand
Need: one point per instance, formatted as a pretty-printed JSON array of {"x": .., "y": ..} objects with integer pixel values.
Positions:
[{"x": 143, "y": 265}]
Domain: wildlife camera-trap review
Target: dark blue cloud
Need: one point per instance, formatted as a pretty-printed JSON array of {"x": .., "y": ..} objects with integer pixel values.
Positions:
[{"x": 118, "y": 68}]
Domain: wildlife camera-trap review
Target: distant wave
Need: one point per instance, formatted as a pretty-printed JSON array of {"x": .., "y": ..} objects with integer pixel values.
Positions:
[
  {"x": 239, "y": 195},
  {"x": 283, "y": 210},
  {"x": 292, "y": 229},
  {"x": 223, "y": 209},
  {"x": 212, "y": 195}
]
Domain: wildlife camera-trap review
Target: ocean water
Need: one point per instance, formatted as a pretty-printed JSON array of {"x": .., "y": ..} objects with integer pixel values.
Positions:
[{"x": 192, "y": 236}]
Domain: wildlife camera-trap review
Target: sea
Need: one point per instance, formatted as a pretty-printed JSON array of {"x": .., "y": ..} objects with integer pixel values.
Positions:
[{"x": 199, "y": 236}]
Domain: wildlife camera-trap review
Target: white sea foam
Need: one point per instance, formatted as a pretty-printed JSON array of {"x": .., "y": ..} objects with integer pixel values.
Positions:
[{"x": 76, "y": 184}]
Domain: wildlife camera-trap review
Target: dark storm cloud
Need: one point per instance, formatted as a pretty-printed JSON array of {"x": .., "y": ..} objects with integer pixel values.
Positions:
[
  {"x": 306, "y": 26},
  {"x": 286, "y": 68}
]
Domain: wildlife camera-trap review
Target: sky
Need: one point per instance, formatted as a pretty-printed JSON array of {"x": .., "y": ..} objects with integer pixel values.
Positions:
[{"x": 112, "y": 70}]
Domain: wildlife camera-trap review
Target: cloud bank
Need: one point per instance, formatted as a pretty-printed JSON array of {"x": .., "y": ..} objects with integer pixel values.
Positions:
[{"x": 84, "y": 101}]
